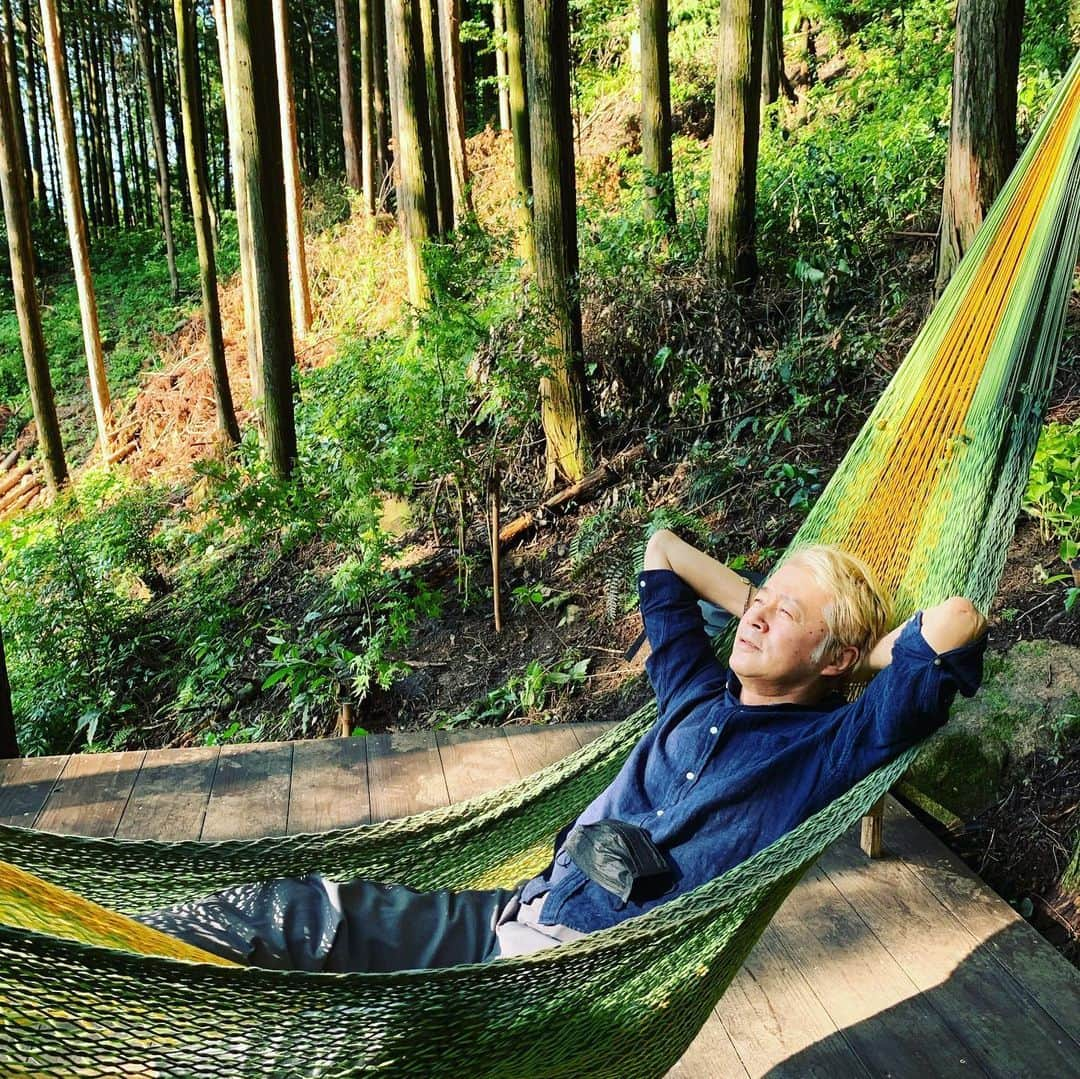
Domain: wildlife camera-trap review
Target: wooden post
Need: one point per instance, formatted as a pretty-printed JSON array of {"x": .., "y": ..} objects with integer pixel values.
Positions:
[
  {"x": 345, "y": 720},
  {"x": 872, "y": 840},
  {"x": 494, "y": 481},
  {"x": 9, "y": 745}
]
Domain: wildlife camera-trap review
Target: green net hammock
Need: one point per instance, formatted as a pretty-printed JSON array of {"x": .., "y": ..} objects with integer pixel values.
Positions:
[{"x": 928, "y": 494}]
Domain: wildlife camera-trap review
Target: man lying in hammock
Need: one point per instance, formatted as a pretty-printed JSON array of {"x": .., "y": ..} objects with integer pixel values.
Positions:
[{"x": 738, "y": 756}]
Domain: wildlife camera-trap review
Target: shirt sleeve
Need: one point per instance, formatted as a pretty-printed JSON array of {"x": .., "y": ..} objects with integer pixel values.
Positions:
[
  {"x": 682, "y": 667},
  {"x": 905, "y": 702}
]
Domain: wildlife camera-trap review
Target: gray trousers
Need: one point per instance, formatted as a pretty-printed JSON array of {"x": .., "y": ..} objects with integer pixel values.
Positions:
[{"x": 310, "y": 923}]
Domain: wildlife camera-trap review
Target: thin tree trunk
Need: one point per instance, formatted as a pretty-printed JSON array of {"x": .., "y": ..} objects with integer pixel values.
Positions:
[
  {"x": 141, "y": 29},
  {"x": 501, "y": 70},
  {"x": 563, "y": 390},
  {"x": 168, "y": 70},
  {"x": 519, "y": 124},
  {"x": 103, "y": 149},
  {"x": 408, "y": 96},
  {"x": 982, "y": 132},
  {"x": 28, "y": 311},
  {"x": 76, "y": 221},
  {"x": 379, "y": 60},
  {"x": 88, "y": 167},
  {"x": 729, "y": 241},
  {"x": 227, "y": 52},
  {"x": 349, "y": 127},
  {"x": 450, "y": 21},
  {"x": 436, "y": 98},
  {"x": 22, "y": 153},
  {"x": 319, "y": 159},
  {"x": 190, "y": 92},
  {"x": 37, "y": 171},
  {"x": 259, "y": 136},
  {"x": 121, "y": 161},
  {"x": 294, "y": 206},
  {"x": 9, "y": 743},
  {"x": 369, "y": 157},
  {"x": 773, "y": 77},
  {"x": 52, "y": 149},
  {"x": 656, "y": 114},
  {"x": 144, "y": 155}
]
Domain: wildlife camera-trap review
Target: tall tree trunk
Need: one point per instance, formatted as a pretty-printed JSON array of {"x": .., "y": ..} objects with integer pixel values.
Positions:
[
  {"x": 519, "y": 124},
  {"x": 729, "y": 241},
  {"x": 656, "y": 114},
  {"x": 117, "y": 111},
  {"x": 190, "y": 93},
  {"x": 773, "y": 77},
  {"x": 76, "y": 221},
  {"x": 52, "y": 148},
  {"x": 100, "y": 105},
  {"x": 501, "y": 71},
  {"x": 141, "y": 28},
  {"x": 563, "y": 390},
  {"x": 88, "y": 167},
  {"x": 294, "y": 205},
  {"x": 143, "y": 156},
  {"x": 27, "y": 309},
  {"x": 22, "y": 152},
  {"x": 259, "y": 136},
  {"x": 37, "y": 170},
  {"x": 412, "y": 139},
  {"x": 369, "y": 157},
  {"x": 9, "y": 743},
  {"x": 982, "y": 132},
  {"x": 380, "y": 62},
  {"x": 436, "y": 98},
  {"x": 227, "y": 52},
  {"x": 317, "y": 165},
  {"x": 450, "y": 21},
  {"x": 350, "y": 130}
]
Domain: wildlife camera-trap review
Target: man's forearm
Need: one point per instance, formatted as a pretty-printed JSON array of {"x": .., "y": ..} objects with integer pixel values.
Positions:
[
  {"x": 707, "y": 576},
  {"x": 949, "y": 625}
]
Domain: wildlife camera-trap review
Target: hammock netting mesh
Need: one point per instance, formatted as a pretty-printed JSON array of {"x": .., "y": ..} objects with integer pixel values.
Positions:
[{"x": 928, "y": 494}]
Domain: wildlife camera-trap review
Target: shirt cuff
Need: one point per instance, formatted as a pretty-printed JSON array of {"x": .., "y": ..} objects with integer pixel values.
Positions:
[
  {"x": 963, "y": 664},
  {"x": 661, "y": 588}
]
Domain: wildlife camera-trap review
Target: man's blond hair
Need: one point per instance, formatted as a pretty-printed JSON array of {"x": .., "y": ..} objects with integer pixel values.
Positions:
[{"x": 859, "y": 613}]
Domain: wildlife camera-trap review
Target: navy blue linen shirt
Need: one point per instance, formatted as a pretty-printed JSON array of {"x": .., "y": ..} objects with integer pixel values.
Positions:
[{"x": 714, "y": 781}]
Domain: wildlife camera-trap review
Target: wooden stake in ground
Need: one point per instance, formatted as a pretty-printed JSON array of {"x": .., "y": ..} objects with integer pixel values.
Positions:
[
  {"x": 17, "y": 219},
  {"x": 494, "y": 493},
  {"x": 9, "y": 744},
  {"x": 76, "y": 220}
]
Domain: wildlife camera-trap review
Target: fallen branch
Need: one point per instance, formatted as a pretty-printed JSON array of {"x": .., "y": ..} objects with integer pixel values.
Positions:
[
  {"x": 8, "y": 461},
  {"x": 14, "y": 477}
]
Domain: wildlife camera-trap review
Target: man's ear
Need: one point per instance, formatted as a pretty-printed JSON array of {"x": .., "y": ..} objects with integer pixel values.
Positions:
[{"x": 843, "y": 662}]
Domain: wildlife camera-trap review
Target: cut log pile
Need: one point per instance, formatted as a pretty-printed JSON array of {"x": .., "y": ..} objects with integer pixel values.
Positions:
[{"x": 20, "y": 485}]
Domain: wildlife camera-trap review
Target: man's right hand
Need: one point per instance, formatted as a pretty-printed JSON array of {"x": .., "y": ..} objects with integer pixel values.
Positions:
[{"x": 707, "y": 576}]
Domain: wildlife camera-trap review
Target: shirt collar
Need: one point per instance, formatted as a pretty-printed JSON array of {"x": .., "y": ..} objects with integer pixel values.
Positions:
[{"x": 733, "y": 693}]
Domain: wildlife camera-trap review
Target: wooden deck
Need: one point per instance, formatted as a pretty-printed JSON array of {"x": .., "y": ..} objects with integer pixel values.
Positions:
[{"x": 904, "y": 967}]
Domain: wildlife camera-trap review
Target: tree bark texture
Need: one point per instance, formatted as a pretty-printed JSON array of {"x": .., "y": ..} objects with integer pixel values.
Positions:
[
  {"x": 140, "y": 26},
  {"x": 656, "y": 114},
  {"x": 563, "y": 391},
  {"x": 450, "y": 21},
  {"x": 982, "y": 132},
  {"x": 519, "y": 124},
  {"x": 502, "y": 74},
  {"x": 350, "y": 131},
  {"x": 259, "y": 136},
  {"x": 76, "y": 221},
  {"x": 369, "y": 157},
  {"x": 729, "y": 241},
  {"x": 118, "y": 132},
  {"x": 381, "y": 90},
  {"x": 436, "y": 99},
  {"x": 773, "y": 78},
  {"x": 37, "y": 169},
  {"x": 27, "y": 308},
  {"x": 190, "y": 94},
  {"x": 294, "y": 203},
  {"x": 412, "y": 139},
  {"x": 18, "y": 131}
]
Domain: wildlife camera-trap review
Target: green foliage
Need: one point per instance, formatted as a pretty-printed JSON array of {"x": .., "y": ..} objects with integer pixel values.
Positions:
[
  {"x": 1053, "y": 490},
  {"x": 536, "y": 689}
]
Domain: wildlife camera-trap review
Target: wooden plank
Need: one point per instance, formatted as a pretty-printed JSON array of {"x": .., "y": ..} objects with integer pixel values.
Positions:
[
  {"x": 25, "y": 786},
  {"x": 329, "y": 785},
  {"x": 475, "y": 762},
  {"x": 170, "y": 795},
  {"x": 892, "y": 1029},
  {"x": 588, "y": 732},
  {"x": 536, "y": 747},
  {"x": 91, "y": 793},
  {"x": 710, "y": 1056},
  {"x": 404, "y": 774},
  {"x": 1046, "y": 975},
  {"x": 250, "y": 795},
  {"x": 967, "y": 987},
  {"x": 773, "y": 1017}
]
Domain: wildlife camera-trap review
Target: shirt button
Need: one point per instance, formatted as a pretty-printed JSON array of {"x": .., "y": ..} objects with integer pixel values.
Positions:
[
  {"x": 937, "y": 661},
  {"x": 659, "y": 812},
  {"x": 714, "y": 730},
  {"x": 689, "y": 775}
]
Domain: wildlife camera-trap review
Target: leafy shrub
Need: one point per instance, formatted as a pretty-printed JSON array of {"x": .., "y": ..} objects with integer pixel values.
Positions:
[{"x": 1053, "y": 490}]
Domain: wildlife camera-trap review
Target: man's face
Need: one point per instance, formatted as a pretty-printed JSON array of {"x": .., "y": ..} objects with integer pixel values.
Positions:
[{"x": 782, "y": 629}]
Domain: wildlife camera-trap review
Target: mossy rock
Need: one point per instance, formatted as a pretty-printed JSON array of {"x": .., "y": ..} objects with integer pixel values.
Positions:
[{"x": 1030, "y": 700}]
